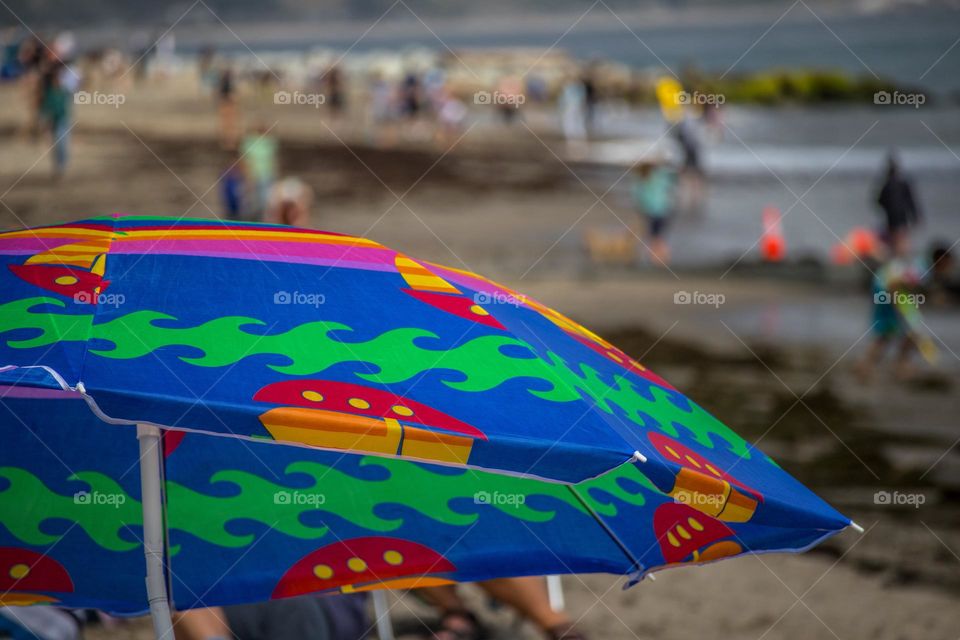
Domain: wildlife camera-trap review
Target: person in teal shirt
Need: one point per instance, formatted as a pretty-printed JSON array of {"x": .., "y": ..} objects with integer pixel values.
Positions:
[
  {"x": 259, "y": 152},
  {"x": 56, "y": 99},
  {"x": 653, "y": 194}
]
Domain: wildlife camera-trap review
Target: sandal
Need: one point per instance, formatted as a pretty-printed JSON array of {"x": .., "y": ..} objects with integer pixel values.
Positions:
[
  {"x": 565, "y": 631},
  {"x": 459, "y": 624}
]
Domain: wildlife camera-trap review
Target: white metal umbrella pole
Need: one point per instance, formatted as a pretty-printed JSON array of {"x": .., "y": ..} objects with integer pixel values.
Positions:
[
  {"x": 555, "y": 593},
  {"x": 153, "y": 535},
  {"x": 382, "y": 613}
]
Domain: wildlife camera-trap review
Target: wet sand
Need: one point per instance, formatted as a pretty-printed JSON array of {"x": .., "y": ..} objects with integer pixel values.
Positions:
[{"x": 498, "y": 212}]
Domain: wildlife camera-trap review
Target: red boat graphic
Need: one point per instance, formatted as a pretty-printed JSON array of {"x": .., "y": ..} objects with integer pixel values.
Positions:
[
  {"x": 340, "y": 415},
  {"x": 687, "y": 535},
  {"x": 23, "y": 573},
  {"x": 366, "y": 563},
  {"x": 701, "y": 485},
  {"x": 70, "y": 270},
  {"x": 429, "y": 288}
]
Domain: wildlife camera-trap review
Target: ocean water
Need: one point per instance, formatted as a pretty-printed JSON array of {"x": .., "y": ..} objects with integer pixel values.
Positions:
[
  {"x": 821, "y": 167},
  {"x": 915, "y": 46}
]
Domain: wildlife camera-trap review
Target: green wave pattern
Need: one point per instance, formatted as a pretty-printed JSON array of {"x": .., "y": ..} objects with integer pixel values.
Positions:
[
  {"x": 249, "y": 498},
  {"x": 477, "y": 365},
  {"x": 27, "y": 503}
]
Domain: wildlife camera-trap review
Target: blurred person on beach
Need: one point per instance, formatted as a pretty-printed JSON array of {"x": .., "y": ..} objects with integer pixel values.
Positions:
[
  {"x": 451, "y": 115},
  {"x": 64, "y": 46},
  {"x": 206, "y": 72},
  {"x": 591, "y": 98},
  {"x": 332, "y": 86},
  {"x": 691, "y": 182},
  {"x": 290, "y": 202},
  {"x": 259, "y": 150},
  {"x": 31, "y": 55},
  {"x": 898, "y": 203},
  {"x": 164, "y": 58},
  {"x": 227, "y": 109},
  {"x": 435, "y": 89},
  {"x": 57, "y": 85},
  {"x": 382, "y": 109},
  {"x": 308, "y": 617},
  {"x": 653, "y": 194},
  {"x": 39, "y": 623},
  {"x": 536, "y": 87},
  {"x": 10, "y": 67},
  {"x": 111, "y": 71},
  {"x": 143, "y": 45},
  {"x": 233, "y": 188},
  {"x": 896, "y": 320},
  {"x": 572, "y": 105},
  {"x": 410, "y": 96},
  {"x": 712, "y": 118},
  {"x": 510, "y": 90},
  {"x": 413, "y": 106},
  {"x": 528, "y": 596}
]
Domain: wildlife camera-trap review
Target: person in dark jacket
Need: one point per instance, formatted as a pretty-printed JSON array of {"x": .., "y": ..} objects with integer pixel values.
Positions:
[{"x": 898, "y": 203}]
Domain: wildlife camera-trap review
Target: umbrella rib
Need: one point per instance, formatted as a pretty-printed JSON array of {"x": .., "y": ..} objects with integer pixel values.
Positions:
[{"x": 636, "y": 566}]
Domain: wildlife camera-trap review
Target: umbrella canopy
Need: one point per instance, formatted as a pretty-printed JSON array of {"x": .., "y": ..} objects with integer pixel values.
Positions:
[{"x": 438, "y": 426}]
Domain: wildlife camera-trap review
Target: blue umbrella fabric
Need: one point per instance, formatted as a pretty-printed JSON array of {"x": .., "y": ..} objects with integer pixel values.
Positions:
[{"x": 338, "y": 416}]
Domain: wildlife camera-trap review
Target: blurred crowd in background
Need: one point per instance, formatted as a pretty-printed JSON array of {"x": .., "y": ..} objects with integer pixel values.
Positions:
[{"x": 430, "y": 97}]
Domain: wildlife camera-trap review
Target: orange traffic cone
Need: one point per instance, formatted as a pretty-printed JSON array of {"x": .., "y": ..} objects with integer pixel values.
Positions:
[
  {"x": 860, "y": 243},
  {"x": 864, "y": 242},
  {"x": 773, "y": 246}
]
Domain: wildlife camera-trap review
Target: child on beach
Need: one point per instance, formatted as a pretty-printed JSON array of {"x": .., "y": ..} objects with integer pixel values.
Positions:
[
  {"x": 232, "y": 188},
  {"x": 897, "y": 291},
  {"x": 653, "y": 197},
  {"x": 259, "y": 152},
  {"x": 289, "y": 203}
]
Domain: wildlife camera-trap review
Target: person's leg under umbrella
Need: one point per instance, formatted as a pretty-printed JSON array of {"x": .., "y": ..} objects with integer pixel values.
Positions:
[
  {"x": 201, "y": 624},
  {"x": 286, "y": 619},
  {"x": 529, "y": 597},
  {"x": 457, "y": 622},
  {"x": 61, "y": 147}
]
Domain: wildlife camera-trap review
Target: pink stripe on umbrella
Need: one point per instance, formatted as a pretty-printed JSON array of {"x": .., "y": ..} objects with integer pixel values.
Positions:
[{"x": 307, "y": 252}]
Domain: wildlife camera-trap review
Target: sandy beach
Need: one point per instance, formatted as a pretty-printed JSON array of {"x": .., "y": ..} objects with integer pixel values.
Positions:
[{"x": 511, "y": 206}]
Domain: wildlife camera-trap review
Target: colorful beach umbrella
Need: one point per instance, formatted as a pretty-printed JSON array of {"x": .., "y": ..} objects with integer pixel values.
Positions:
[{"x": 320, "y": 413}]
